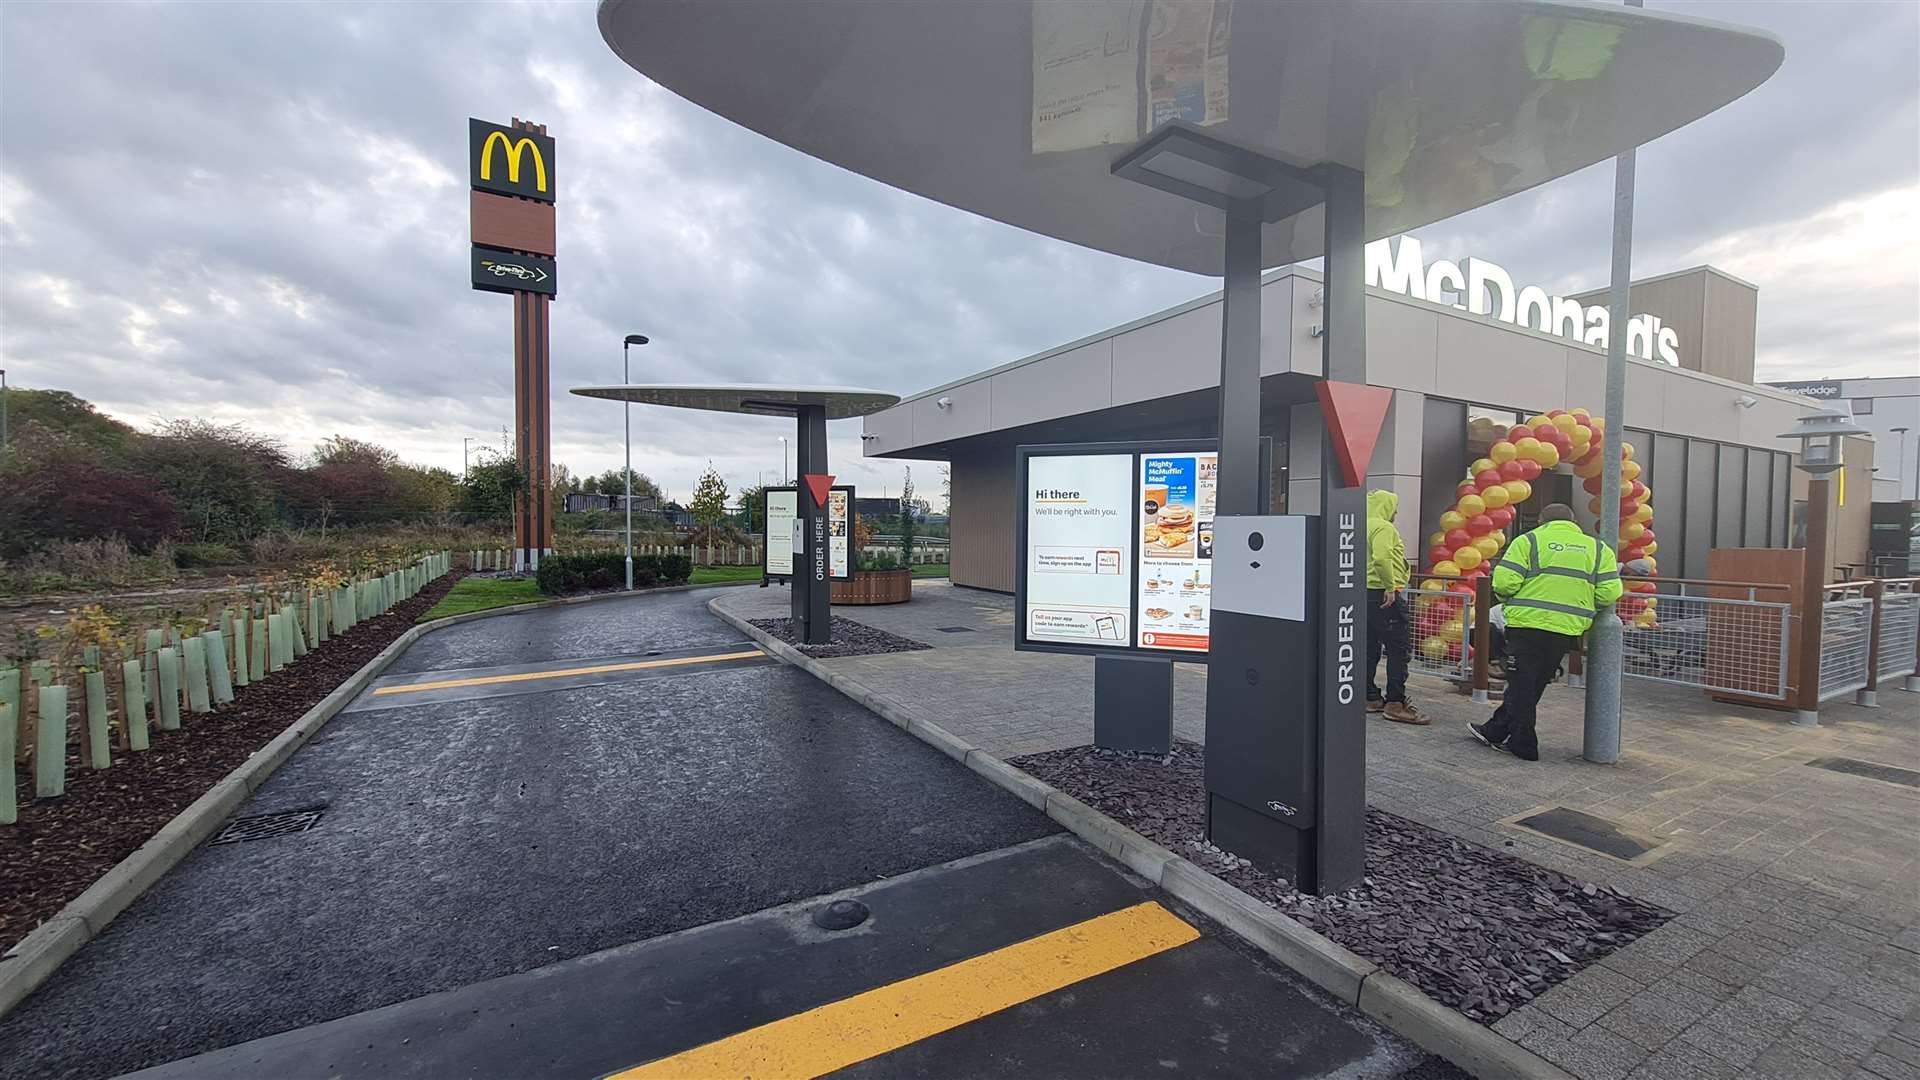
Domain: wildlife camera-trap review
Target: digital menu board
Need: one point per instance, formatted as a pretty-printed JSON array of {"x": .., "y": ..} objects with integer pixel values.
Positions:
[
  {"x": 1079, "y": 549},
  {"x": 786, "y": 544},
  {"x": 1116, "y": 547},
  {"x": 839, "y": 535},
  {"x": 783, "y": 522},
  {"x": 1176, "y": 500}
]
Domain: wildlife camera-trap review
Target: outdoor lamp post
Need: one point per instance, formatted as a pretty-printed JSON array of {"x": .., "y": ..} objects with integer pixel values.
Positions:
[
  {"x": 1901, "y": 479},
  {"x": 783, "y": 460},
  {"x": 626, "y": 420},
  {"x": 1819, "y": 434}
]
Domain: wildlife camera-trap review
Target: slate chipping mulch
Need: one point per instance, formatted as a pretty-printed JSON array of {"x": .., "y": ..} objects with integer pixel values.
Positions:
[
  {"x": 849, "y": 638},
  {"x": 1478, "y": 931},
  {"x": 60, "y": 846}
]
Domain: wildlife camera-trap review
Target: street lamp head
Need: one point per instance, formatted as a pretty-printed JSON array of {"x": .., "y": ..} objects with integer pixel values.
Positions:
[
  {"x": 636, "y": 339},
  {"x": 1819, "y": 434},
  {"x": 1182, "y": 160}
]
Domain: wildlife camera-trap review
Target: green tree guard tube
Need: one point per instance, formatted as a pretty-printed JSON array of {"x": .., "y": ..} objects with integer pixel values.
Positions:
[
  {"x": 219, "y": 679},
  {"x": 199, "y": 690},
  {"x": 99, "y": 730},
  {"x": 169, "y": 690},
  {"x": 50, "y": 746},
  {"x": 257, "y": 651},
  {"x": 133, "y": 704},
  {"x": 9, "y": 798},
  {"x": 242, "y": 667}
]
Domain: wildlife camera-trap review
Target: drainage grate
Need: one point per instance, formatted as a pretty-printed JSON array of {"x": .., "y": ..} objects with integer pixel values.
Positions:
[
  {"x": 268, "y": 826},
  {"x": 1872, "y": 770},
  {"x": 954, "y": 629},
  {"x": 1587, "y": 831}
]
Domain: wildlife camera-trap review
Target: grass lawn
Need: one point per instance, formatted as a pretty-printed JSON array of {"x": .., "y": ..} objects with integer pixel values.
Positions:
[
  {"x": 930, "y": 570},
  {"x": 479, "y": 594},
  {"x": 715, "y": 575}
]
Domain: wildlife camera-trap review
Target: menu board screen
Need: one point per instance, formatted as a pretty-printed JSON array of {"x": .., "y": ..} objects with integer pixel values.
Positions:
[
  {"x": 782, "y": 517},
  {"x": 1079, "y": 515},
  {"x": 839, "y": 536},
  {"x": 1175, "y": 520}
]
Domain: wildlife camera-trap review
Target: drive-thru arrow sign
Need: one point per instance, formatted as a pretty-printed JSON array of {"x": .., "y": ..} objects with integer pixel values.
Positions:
[
  {"x": 820, "y": 484},
  {"x": 1353, "y": 413}
]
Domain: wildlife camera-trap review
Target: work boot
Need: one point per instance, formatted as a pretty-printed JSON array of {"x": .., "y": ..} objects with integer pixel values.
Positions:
[
  {"x": 1401, "y": 712},
  {"x": 1375, "y": 704}
]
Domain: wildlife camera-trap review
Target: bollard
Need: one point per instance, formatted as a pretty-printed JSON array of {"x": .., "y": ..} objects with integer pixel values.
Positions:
[
  {"x": 1868, "y": 696},
  {"x": 219, "y": 679},
  {"x": 1482, "y": 639},
  {"x": 50, "y": 744},
  {"x": 9, "y": 798},
  {"x": 199, "y": 688},
  {"x": 257, "y": 649},
  {"x": 99, "y": 750},
  {"x": 133, "y": 704},
  {"x": 169, "y": 690}
]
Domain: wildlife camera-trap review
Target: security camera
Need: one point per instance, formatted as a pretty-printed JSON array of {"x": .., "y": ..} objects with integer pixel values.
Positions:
[
  {"x": 1746, "y": 401},
  {"x": 865, "y": 438},
  {"x": 944, "y": 403}
]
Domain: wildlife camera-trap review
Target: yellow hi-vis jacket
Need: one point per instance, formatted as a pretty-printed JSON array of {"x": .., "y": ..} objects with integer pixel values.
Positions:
[
  {"x": 1386, "y": 552},
  {"x": 1554, "y": 577}
]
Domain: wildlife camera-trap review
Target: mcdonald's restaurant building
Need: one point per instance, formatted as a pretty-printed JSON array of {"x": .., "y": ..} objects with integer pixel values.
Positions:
[{"x": 1706, "y": 436}]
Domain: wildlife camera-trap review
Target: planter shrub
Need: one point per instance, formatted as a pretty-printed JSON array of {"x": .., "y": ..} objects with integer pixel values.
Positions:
[{"x": 563, "y": 575}]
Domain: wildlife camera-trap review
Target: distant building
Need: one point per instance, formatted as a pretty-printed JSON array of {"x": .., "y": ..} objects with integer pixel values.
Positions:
[
  {"x": 1882, "y": 406},
  {"x": 876, "y": 507},
  {"x": 581, "y": 502}
]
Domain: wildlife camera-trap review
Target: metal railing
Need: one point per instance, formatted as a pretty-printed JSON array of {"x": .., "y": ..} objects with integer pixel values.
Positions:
[
  {"x": 1719, "y": 636},
  {"x": 1442, "y": 629},
  {"x": 1898, "y": 648},
  {"x": 1846, "y": 639}
]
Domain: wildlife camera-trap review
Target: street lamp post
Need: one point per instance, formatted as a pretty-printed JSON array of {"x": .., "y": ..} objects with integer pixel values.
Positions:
[
  {"x": 1902, "y": 480},
  {"x": 466, "y": 444},
  {"x": 1819, "y": 434},
  {"x": 783, "y": 461},
  {"x": 626, "y": 420}
]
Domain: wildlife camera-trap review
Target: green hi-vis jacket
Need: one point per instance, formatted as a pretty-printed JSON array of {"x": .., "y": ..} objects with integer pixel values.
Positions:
[
  {"x": 1386, "y": 552},
  {"x": 1554, "y": 577}
]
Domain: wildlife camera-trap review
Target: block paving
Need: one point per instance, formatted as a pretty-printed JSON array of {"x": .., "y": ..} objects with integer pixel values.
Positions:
[{"x": 1795, "y": 950}]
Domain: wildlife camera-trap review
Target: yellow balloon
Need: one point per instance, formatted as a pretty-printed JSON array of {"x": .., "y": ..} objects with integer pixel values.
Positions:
[
  {"x": 1518, "y": 491},
  {"x": 1537, "y": 419},
  {"x": 1527, "y": 446},
  {"x": 1547, "y": 454},
  {"x": 1651, "y": 546},
  {"x": 1481, "y": 465},
  {"x": 1567, "y": 423},
  {"x": 1629, "y": 471},
  {"x": 1452, "y": 631},
  {"x": 1495, "y": 496},
  {"x": 1632, "y": 531},
  {"x": 1581, "y": 413},
  {"x": 1471, "y": 505},
  {"x": 1502, "y": 452},
  {"x": 1449, "y": 521},
  {"x": 1446, "y": 568},
  {"x": 1466, "y": 557},
  {"x": 1434, "y": 648},
  {"x": 1499, "y": 537},
  {"x": 1626, "y": 451},
  {"x": 1590, "y": 469},
  {"x": 1434, "y": 585},
  {"x": 1597, "y": 423},
  {"x": 1644, "y": 514},
  {"x": 1436, "y": 538},
  {"x": 1580, "y": 441},
  {"x": 1489, "y": 547}
]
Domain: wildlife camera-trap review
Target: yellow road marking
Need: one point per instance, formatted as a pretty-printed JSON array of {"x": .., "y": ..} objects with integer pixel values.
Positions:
[
  {"x": 530, "y": 676},
  {"x": 819, "y": 1041}
]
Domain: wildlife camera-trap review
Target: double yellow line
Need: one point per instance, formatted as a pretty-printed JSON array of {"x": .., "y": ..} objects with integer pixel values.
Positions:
[
  {"x": 597, "y": 669},
  {"x": 819, "y": 1041}
]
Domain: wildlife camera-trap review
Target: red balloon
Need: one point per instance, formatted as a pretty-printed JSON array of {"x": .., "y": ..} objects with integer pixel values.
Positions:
[
  {"x": 1466, "y": 487},
  {"x": 1487, "y": 478},
  {"x": 1551, "y": 413},
  {"x": 1457, "y": 538},
  {"x": 1512, "y": 470},
  {"x": 1588, "y": 457},
  {"x": 1634, "y": 490},
  {"x": 1592, "y": 484},
  {"x": 1518, "y": 432},
  {"x": 1502, "y": 516},
  {"x": 1545, "y": 432},
  {"x": 1480, "y": 525},
  {"x": 1562, "y": 444},
  {"x": 1529, "y": 469},
  {"x": 1628, "y": 507},
  {"x": 1646, "y": 537},
  {"x": 1463, "y": 587},
  {"x": 1438, "y": 553}
]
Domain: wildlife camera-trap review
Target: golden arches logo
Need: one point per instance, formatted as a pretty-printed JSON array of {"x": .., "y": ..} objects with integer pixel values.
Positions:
[{"x": 514, "y": 147}]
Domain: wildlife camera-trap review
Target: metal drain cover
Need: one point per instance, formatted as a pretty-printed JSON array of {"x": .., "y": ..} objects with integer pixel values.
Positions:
[
  {"x": 1587, "y": 831},
  {"x": 1872, "y": 770},
  {"x": 841, "y": 915},
  {"x": 268, "y": 826},
  {"x": 954, "y": 629}
]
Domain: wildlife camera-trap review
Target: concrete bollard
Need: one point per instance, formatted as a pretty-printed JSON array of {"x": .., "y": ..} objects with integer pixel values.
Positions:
[
  {"x": 99, "y": 741},
  {"x": 169, "y": 689},
  {"x": 133, "y": 704},
  {"x": 50, "y": 744},
  {"x": 9, "y": 798},
  {"x": 199, "y": 688},
  {"x": 219, "y": 679}
]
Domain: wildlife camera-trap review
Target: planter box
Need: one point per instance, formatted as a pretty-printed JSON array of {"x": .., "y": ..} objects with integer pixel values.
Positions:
[{"x": 875, "y": 587}]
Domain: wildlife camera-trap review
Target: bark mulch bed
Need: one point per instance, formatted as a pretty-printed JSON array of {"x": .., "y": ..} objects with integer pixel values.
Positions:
[
  {"x": 849, "y": 639},
  {"x": 61, "y": 846},
  {"x": 1478, "y": 931}
]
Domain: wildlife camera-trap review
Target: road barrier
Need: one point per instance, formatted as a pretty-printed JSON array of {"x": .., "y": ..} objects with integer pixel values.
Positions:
[
  {"x": 1846, "y": 639},
  {"x": 1727, "y": 637}
]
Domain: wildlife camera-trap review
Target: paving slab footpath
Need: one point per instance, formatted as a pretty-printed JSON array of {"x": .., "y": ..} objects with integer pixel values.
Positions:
[{"x": 1795, "y": 950}]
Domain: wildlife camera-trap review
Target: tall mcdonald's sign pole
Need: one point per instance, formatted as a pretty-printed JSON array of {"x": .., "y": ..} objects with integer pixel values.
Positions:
[{"x": 512, "y": 176}]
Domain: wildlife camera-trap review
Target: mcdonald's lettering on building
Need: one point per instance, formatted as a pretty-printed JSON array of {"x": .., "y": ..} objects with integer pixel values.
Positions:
[{"x": 510, "y": 162}]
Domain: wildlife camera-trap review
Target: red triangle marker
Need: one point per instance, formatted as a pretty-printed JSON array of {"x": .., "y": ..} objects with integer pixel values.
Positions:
[
  {"x": 1354, "y": 413},
  {"x": 820, "y": 485}
]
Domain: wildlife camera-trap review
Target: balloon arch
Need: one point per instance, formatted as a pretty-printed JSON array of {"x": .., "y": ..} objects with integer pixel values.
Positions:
[{"x": 1473, "y": 530}]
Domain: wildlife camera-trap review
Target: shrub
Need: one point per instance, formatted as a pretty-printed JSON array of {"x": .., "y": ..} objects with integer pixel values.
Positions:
[
  {"x": 191, "y": 555},
  {"x": 561, "y": 575},
  {"x": 879, "y": 560},
  {"x": 79, "y": 500}
]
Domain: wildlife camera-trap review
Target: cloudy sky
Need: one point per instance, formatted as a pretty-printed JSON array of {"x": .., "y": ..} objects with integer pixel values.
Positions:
[{"x": 256, "y": 212}]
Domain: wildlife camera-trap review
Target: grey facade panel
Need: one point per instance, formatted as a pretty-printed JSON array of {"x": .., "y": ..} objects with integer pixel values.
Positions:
[
  {"x": 1727, "y": 517},
  {"x": 1696, "y": 510},
  {"x": 1780, "y": 529},
  {"x": 1758, "y": 495},
  {"x": 1728, "y": 324}
]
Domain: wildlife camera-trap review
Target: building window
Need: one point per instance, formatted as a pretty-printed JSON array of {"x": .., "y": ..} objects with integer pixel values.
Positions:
[{"x": 1862, "y": 406}]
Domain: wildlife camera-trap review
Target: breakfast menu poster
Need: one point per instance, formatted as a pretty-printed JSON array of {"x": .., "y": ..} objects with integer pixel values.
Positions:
[{"x": 1176, "y": 504}]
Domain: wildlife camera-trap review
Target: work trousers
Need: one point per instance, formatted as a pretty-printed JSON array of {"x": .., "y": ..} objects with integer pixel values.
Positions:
[
  {"x": 1536, "y": 656},
  {"x": 1387, "y": 632}
]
